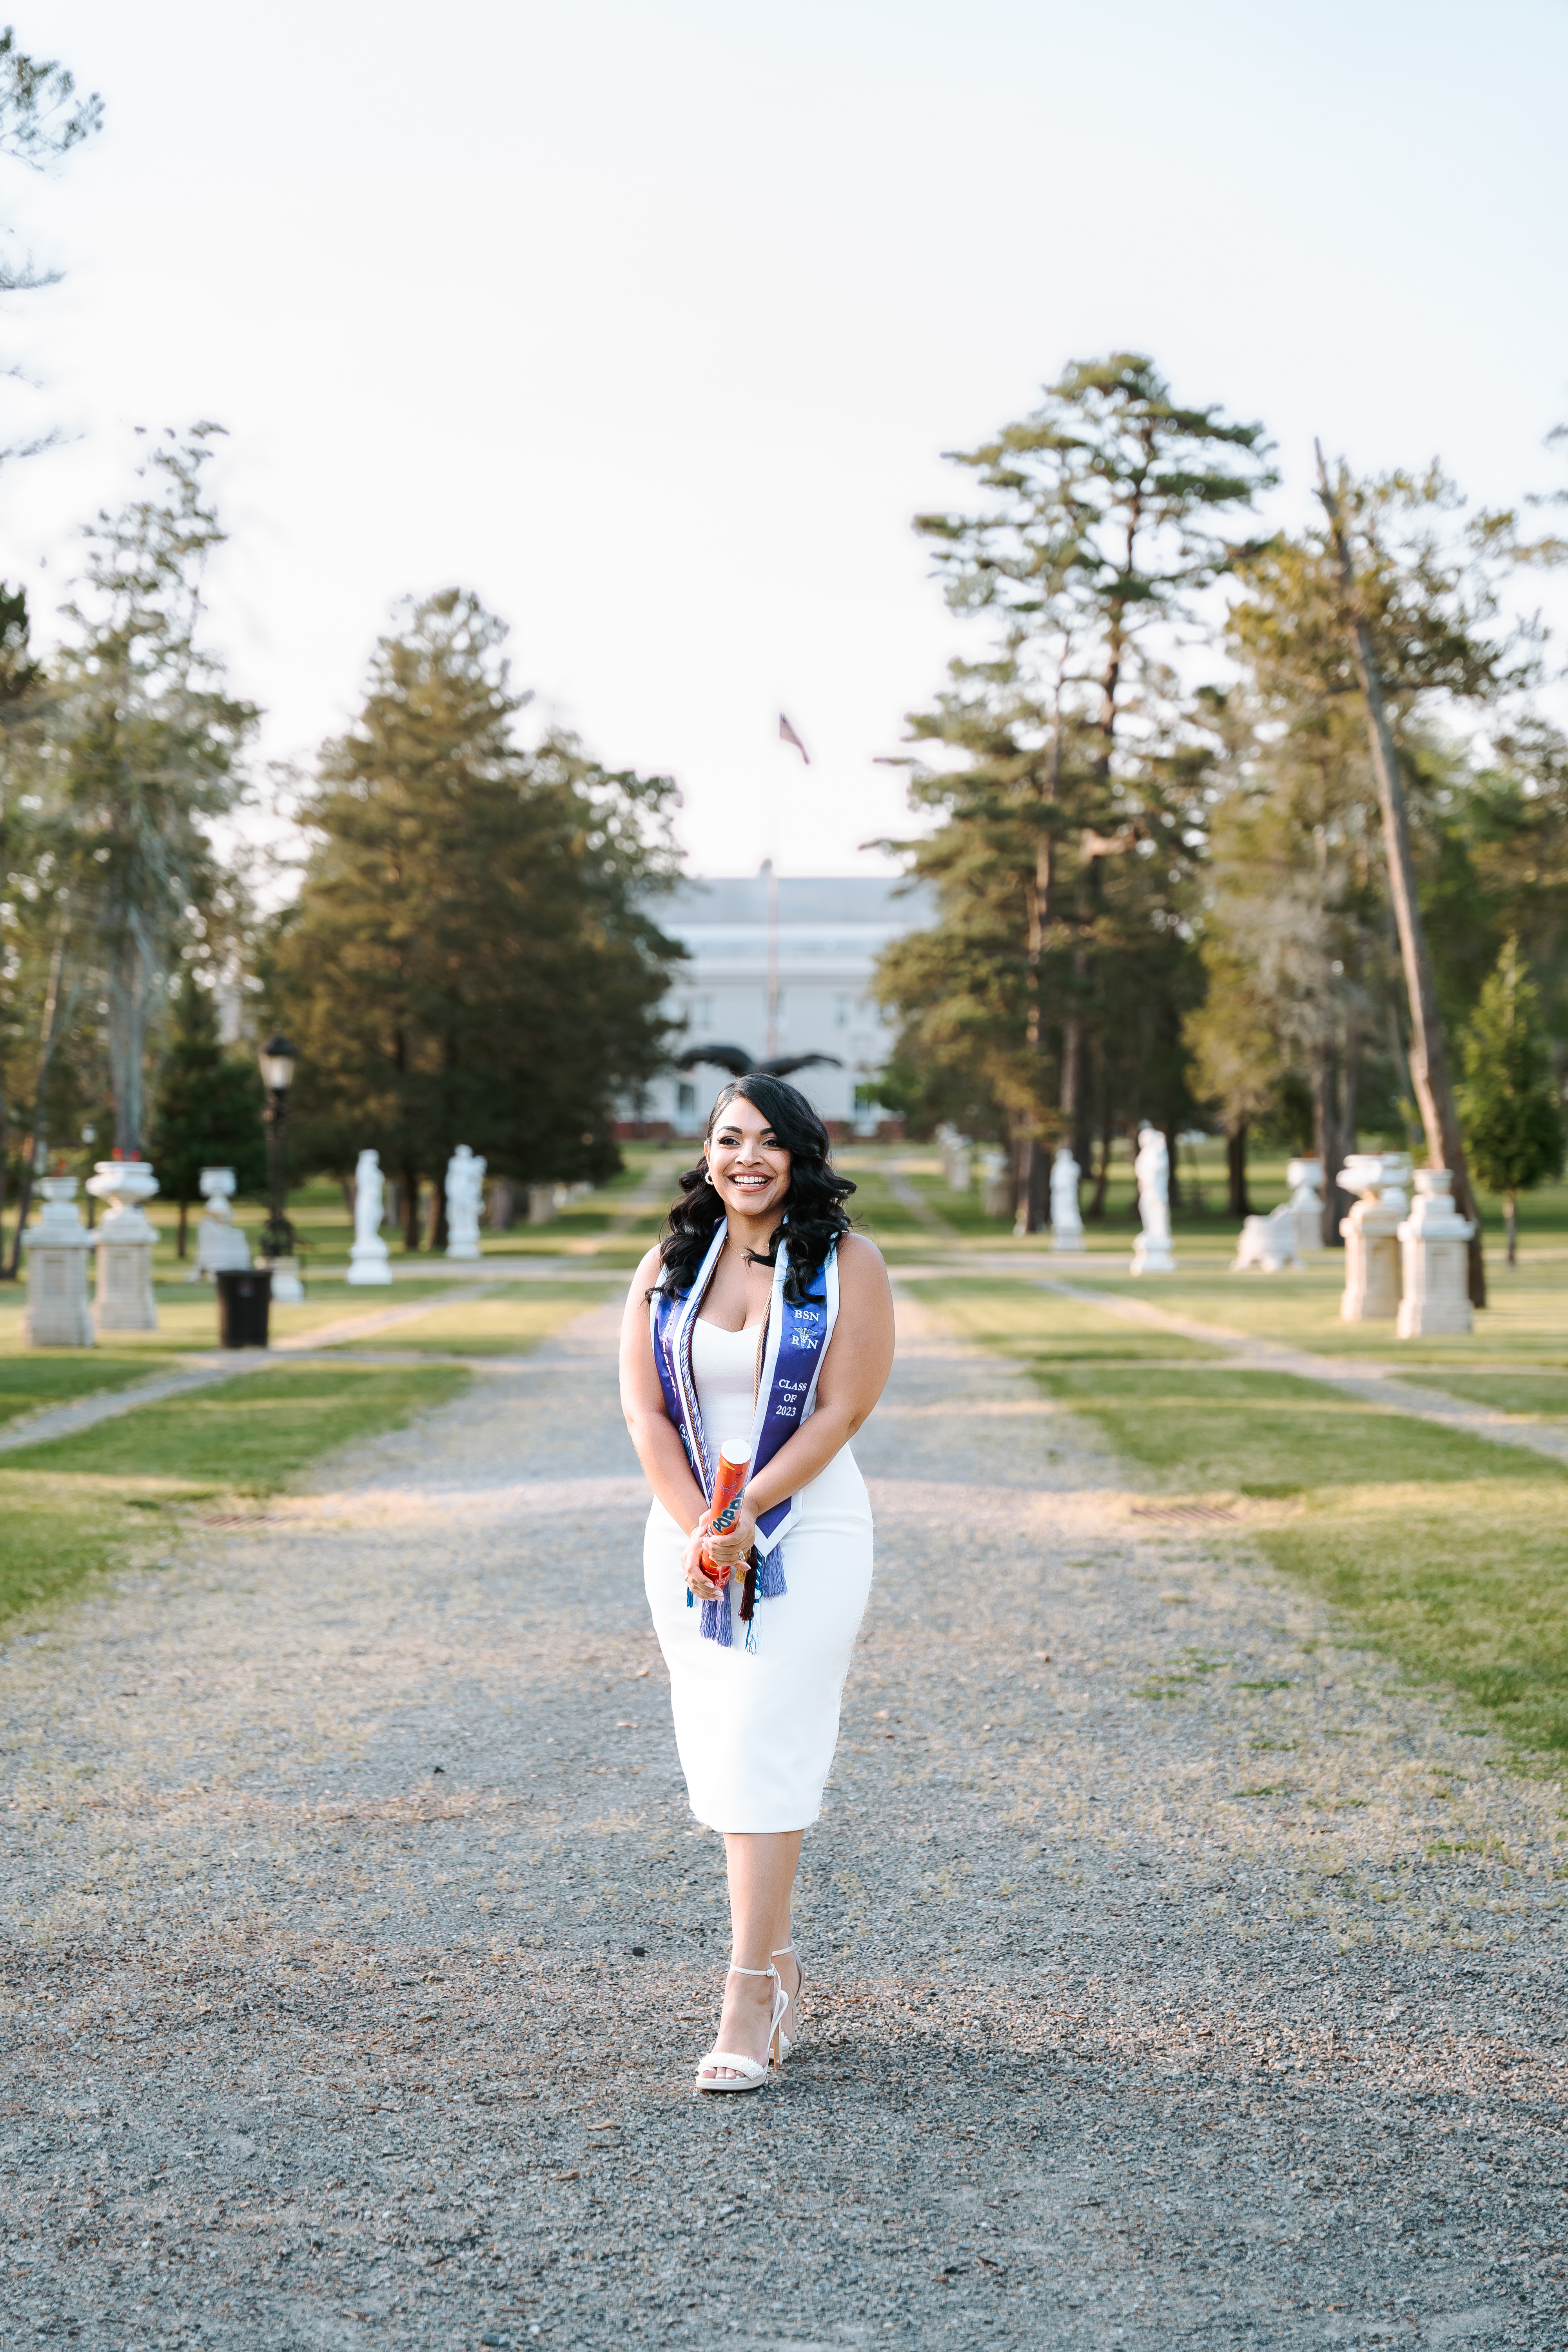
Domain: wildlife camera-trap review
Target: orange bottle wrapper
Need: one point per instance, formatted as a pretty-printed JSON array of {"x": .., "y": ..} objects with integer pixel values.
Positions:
[{"x": 727, "y": 1488}]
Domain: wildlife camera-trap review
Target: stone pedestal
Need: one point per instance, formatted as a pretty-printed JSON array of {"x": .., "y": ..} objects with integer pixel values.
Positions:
[
  {"x": 1433, "y": 1242},
  {"x": 1371, "y": 1249},
  {"x": 58, "y": 1247},
  {"x": 221, "y": 1247},
  {"x": 1305, "y": 1178},
  {"x": 288, "y": 1290},
  {"x": 369, "y": 1260},
  {"x": 1372, "y": 1263},
  {"x": 125, "y": 1241}
]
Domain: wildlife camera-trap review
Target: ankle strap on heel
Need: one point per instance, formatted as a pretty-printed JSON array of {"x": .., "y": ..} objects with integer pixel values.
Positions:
[{"x": 737, "y": 1970}]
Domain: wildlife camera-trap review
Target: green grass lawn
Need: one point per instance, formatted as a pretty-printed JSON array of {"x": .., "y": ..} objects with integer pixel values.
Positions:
[
  {"x": 187, "y": 1322},
  {"x": 1447, "y": 1550},
  {"x": 30, "y": 1382},
  {"x": 1526, "y": 1321},
  {"x": 88, "y": 1501},
  {"x": 871, "y": 1205},
  {"x": 1207, "y": 1429},
  {"x": 1463, "y": 1580},
  {"x": 1001, "y": 1312},
  {"x": 511, "y": 1320},
  {"x": 1533, "y": 1396}
]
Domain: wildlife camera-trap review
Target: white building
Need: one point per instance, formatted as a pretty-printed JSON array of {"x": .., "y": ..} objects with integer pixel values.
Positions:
[{"x": 780, "y": 967}]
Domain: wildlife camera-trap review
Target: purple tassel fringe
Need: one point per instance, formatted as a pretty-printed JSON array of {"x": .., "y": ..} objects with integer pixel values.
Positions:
[{"x": 716, "y": 1621}]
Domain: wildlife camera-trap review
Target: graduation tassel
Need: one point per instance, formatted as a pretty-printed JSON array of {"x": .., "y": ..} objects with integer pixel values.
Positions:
[{"x": 716, "y": 1621}]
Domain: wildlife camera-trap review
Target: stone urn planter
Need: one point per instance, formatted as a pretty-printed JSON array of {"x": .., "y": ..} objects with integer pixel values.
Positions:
[
  {"x": 125, "y": 1242},
  {"x": 1371, "y": 1230},
  {"x": 1434, "y": 1243},
  {"x": 221, "y": 1247},
  {"x": 58, "y": 1247}
]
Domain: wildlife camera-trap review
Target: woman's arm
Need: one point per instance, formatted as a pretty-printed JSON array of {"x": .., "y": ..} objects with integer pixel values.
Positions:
[
  {"x": 655, "y": 1436},
  {"x": 854, "y": 1374}
]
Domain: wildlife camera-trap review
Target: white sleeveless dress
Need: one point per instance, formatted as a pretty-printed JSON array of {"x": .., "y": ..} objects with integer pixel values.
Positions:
[{"x": 756, "y": 1729}]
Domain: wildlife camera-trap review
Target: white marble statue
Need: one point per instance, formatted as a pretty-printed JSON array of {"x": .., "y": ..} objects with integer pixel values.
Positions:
[
  {"x": 1066, "y": 1225},
  {"x": 465, "y": 1198},
  {"x": 955, "y": 1149},
  {"x": 1151, "y": 1250},
  {"x": 368, "y": 1259},
  {"x": 995, "y": 1181},
  {"x": 221, "y": 1247},
  {"x": 1269, "y": 1243}
]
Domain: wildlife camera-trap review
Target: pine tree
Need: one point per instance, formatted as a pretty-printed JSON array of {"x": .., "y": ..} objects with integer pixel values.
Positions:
[
  {"x": 1107, "y": 512},
  {"x": 20, "y": 677},
  {"x": 208, "y": 1111},
  {"x": 149, "y": 742},
  {"x": 1390, "y": 611},
  {"x": 1294, "y": 936},
  {"x": 470, "y": 960},
  {"x": 1511, "y": 1105}
]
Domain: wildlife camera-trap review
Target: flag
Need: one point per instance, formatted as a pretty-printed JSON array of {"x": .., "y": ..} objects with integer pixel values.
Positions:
[{"x": 788, "y": 735}]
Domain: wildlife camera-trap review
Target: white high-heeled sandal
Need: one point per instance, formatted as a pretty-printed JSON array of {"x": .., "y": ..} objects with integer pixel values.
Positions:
[
  {"x": 786, "y": 2041},
  {"x": 751, "y": 2073}
]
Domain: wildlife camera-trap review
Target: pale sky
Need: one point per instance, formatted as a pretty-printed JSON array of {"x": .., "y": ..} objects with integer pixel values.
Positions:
[{"x": 650, "y": 323}]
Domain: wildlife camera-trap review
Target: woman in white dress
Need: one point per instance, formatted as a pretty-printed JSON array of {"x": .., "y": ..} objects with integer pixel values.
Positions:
[{"x": 761, "y": 1325}]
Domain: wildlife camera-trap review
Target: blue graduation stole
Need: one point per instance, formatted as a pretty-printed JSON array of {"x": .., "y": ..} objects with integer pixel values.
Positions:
[{"x": 789, "y": 1359}]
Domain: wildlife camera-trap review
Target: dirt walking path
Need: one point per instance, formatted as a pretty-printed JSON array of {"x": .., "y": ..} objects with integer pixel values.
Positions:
[{"x": 1199, "y": 1985}]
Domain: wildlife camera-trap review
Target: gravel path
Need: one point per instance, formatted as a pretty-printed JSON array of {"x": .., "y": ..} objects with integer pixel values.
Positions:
[{"x": 1196, "y": 1984}]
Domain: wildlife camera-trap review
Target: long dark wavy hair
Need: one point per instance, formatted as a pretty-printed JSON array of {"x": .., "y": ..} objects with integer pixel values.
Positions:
[{"x": 813, "y": 1217}]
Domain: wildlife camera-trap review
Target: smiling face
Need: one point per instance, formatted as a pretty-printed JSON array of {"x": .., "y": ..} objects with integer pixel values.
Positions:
[{"x": 750, "y": 1169}]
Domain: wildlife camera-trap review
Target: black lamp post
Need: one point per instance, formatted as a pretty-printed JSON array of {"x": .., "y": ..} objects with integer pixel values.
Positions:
[{"x": 278, "y": 1058}]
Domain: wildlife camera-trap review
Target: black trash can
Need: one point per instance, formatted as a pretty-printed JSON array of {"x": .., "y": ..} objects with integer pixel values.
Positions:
[{"x": 244, "y": 1304}]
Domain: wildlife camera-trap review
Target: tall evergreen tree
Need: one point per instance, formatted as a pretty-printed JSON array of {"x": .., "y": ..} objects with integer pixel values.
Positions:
[
  {"x": 1294, "y": 936},
  {"x": 42, "y": 120},
  {"x": 1419, "y": 627},
  {"x": 1107, "y": 510},
  {"x": 146, "y": 751},
  {"x": 470, "y": 959},
  {"x": 1494, "y": 855},
  {"x": 1508, "y": 1100},
  {"x": 20, "y": 708},
  {"x": 208, "y": 1107}
]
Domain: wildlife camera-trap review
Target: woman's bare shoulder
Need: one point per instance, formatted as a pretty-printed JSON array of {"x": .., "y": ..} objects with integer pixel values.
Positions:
[
  {"x": 649, "y": 1268},
  {"x": 862, "y": 1261}
]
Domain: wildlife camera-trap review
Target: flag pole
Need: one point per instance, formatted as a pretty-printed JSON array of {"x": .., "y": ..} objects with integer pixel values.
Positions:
[
  {"x": 786, "y": 735},
  {"x": 774, "y": 940}
]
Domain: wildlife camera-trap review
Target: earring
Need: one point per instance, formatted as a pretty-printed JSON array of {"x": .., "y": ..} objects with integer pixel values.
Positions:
[{"x": 708, "y": 1177}]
